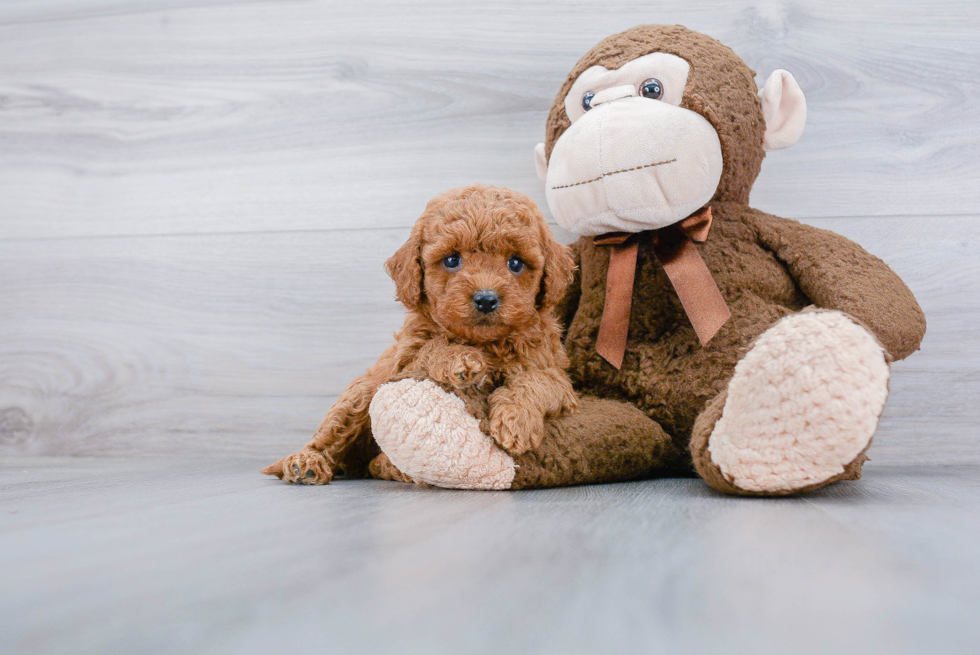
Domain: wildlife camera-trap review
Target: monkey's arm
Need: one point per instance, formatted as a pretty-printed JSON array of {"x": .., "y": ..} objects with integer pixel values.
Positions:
[
  {"x": 565, "y": 310},
  {"x": 836, "y": 273}
]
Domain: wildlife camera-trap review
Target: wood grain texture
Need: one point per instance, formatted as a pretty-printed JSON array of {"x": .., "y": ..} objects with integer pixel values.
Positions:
[
  {"x": 196, "y": 197},
  {"x": 238, "y": 343},
  {"x": 152, "y": 117},
  {"x": 206, "y": 556}
]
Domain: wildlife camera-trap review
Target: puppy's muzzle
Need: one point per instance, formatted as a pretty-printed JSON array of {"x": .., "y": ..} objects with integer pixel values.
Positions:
[{"x": 486, "y": 301}]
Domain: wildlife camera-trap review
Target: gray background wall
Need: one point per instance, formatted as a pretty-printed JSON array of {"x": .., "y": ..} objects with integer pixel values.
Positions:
[{"x": 196, "y": 198}]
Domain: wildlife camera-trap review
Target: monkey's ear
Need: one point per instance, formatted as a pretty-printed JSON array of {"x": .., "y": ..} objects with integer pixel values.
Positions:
[
  {"x": 784, "y": 110},
  {"x": 540, "y": 162},
  {"x": 405, "y": 268},
  {"x": 559, "y": 269}
]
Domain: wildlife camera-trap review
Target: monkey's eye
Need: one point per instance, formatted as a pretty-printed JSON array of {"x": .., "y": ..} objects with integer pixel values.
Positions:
[
  {"x": 652, "y": 89},
  {"x": 515, "y": 264},
  {"x": 587, "y": 100},
  {"x": 452, "y": 262}
]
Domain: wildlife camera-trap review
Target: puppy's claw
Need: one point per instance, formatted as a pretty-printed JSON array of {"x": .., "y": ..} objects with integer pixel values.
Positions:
[{"x": 274, "y": 469}]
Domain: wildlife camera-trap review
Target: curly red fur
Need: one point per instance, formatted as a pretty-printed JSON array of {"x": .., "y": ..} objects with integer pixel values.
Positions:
[{"x": 508, "y": 365}]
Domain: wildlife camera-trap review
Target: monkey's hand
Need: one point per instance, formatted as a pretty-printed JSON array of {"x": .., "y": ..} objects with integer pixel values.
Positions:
[
  {"x": 308, "y": 466},
  {"x": 456, "y": 366},
  {"x": 516, "y": 424}
]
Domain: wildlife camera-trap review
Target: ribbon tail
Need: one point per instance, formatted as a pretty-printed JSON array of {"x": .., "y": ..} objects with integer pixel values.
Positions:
[
  {"x": 697, "y": 290},
  {"x": 614, "y": 327}
]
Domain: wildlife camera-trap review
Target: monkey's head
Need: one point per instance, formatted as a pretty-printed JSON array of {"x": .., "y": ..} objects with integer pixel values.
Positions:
[{"x": 655, "y": 122}]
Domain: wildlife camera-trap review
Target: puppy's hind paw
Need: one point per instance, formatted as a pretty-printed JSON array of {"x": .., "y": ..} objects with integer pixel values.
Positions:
[
  {"x": 305, "y": 467},
  {"x": 381, "y": 468}
]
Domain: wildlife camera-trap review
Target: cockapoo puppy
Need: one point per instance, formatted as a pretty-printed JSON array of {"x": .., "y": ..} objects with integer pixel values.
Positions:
[{"x": 480, "y": 276}]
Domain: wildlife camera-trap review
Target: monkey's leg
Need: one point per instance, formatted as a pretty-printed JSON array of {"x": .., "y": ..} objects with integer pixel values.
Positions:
[
  {"x": 799, "y": 411},
  {"x": 604, "y": 441},
  {"x": 428, "y": 434}
]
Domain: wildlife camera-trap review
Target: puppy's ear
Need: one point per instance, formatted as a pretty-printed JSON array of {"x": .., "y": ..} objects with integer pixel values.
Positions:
[
  {"x": 405, "y": 268},
  {"x": 559, "y": 270}
]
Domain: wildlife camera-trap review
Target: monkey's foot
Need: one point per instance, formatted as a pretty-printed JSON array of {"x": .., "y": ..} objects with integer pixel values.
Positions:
[
  {"x": 799, "y": 411},
  {"x": 427, "y": 433}
]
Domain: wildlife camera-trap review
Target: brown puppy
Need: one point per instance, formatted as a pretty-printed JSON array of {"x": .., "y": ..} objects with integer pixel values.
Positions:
[{"x": 480, "y": 276}]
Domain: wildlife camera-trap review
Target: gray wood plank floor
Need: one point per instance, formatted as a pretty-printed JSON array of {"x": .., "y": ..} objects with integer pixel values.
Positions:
[
  {"x": 196, "y": 197},
  {"x": 204, "y": 556}
]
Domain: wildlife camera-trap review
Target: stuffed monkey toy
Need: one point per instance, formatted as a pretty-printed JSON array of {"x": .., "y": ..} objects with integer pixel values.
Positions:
[{"x": 702, "y": 334}]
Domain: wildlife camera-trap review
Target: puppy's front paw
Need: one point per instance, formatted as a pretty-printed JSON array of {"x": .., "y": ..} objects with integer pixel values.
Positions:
[
  {"x": 305, "y": 467},
  {"x": 515, "y": 427},
  {"x": 459, "y": 367}
]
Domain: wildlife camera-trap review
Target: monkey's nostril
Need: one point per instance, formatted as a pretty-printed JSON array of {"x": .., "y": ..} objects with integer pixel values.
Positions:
[{"x": 486, "y": 300}]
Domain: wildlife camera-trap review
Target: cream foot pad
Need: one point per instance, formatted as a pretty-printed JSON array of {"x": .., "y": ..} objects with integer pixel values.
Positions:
[
  {"x": 802, "y": 404},
  {"x": 427, "y": 433}
]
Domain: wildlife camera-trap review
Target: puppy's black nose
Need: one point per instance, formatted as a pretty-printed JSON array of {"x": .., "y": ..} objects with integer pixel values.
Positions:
[{"x": 486, "y": 300}]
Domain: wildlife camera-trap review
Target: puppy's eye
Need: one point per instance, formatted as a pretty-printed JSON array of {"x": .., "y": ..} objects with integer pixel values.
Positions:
[
  {"x": 515, "y": 264},
  {"x": 587, "y": 100},
  {"x": 452, "y": 262},
  {"x": 652, "y": 89}
]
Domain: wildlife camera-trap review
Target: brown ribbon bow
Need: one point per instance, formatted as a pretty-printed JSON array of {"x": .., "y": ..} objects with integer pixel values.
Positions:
[{"x": 674, "y": 248}]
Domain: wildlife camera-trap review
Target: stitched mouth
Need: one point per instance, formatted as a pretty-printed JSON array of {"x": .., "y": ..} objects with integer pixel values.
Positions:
[{"x": 625, "y": 170}]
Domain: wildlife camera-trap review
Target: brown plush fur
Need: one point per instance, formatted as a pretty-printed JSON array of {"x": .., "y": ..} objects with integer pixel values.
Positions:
[
  {"x": 765, "y": 266},
  {"x": 605, "y": 441},
  {"x": 508, "y": 365}
]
